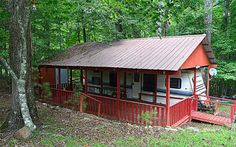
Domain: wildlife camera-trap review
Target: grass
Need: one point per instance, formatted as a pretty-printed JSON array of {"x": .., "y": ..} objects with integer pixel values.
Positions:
[
  {"x": 208, "y": 137},
  {"x": 203, "y": 138}
]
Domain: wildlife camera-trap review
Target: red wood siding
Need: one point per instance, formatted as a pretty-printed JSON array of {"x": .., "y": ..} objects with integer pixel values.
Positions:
[
  {"x": 197, "y": 58},
  {"x": 48, "y": 75}
]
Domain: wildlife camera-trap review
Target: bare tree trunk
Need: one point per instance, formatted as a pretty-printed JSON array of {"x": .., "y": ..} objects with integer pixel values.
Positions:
[
  {"x": 160, "y": 13},
  {"x": 19, "y": 35},
  {"x": 208, "y": 19},
  {"x": 47, "y": 37},
  {"x": 78, "y": 34},
  {"x": 226, "y": 9},
  {"x": 29, "y": 84}
]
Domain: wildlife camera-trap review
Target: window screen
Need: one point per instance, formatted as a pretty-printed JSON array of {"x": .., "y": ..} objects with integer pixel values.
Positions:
[
  {"x": 148, "y": 82},
  {"x": 96, "y": 80},
  {"x": 175, "y": 83},
  {"x": 136, "y": 77},
  {"x": 112, "y": 79}
]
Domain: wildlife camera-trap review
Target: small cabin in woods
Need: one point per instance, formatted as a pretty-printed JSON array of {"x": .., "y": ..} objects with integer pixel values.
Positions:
[{"x": 123, "y": 80}]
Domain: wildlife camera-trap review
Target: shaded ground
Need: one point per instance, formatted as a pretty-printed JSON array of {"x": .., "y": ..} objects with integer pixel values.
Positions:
[
  {"x": 4, "y": 104},
  {"x": 71, "y": 128}
]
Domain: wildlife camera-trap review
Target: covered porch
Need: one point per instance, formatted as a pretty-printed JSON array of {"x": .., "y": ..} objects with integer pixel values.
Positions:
[{"x": 114, "y": 102}]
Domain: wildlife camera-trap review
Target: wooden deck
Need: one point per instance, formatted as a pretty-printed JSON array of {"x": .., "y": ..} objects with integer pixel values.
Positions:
[{"x": 210, "y": 118}]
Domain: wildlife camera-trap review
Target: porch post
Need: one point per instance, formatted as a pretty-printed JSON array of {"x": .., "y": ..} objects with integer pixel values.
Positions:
[
  {"x": 167, "y": 99},
  {"x": 71, "y": 87},
  {"x": 141, "y": 85},
  {"x": 101, "y": 91},
  {"x": 59, "y": 78},
  {"x": 125, "y": 85},
  {"x": 86, "y": 81},
  {"x": 195, "y": 87},
  {"x": 81, "y": 80},
  {"x": 155, "y": 90},
  {"x": 208, "y": 82},
  {"x": 194, "y": 82},
  {"x": 118, "y": 95},
  {"x": 40, "y": 82}
]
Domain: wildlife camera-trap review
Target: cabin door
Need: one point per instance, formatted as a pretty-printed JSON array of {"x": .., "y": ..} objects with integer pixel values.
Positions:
[{"x": 136, "y": 85}]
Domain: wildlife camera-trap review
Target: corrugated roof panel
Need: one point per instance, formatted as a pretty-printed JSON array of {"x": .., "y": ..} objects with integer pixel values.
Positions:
[{"x": 168, "y": 53}]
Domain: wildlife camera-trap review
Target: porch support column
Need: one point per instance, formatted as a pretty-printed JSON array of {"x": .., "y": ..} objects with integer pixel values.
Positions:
[
  {"x": 118, "y": 95},
  {"x": 86, "y": 81},
  {"x": 125, "y": 96},
  {"x": 194, "y": 82},
  {"x": 59, "y": 78},
  {"x": 155, "y": 90},
  {"x": 208, "y": 82},
  {"x": 71, "y": 86},
  {"x": 81, "y": 80},
  {"x": 195, "y": 87},
  {"x": 167, "y": 99},
  {"x": 101, "y": 91},
  {"x": 40, "y": 81}
]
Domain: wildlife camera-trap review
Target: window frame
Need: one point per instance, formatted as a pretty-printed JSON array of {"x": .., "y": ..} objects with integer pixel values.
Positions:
[{"x": 179, "y": 83}]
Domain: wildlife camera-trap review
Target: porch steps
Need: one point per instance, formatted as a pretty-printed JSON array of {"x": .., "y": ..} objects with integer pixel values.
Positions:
[{"x": 210, "y": 118}]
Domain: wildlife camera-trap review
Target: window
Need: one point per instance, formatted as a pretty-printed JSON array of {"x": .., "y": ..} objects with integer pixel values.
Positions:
[
  {"x": 112, "y": 79},
  {"x": 175, "y": 83},
  {"x": 136, "y": 77},
  {"x": 148, "y": 82},
  {"x": 96, "y": 80}
]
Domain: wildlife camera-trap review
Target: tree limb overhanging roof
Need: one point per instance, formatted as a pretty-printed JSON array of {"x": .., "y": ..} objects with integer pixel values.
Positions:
[{"x": 168, "y": 53}]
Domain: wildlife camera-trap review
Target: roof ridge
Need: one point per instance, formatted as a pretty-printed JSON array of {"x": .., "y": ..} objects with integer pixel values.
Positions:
[{"x": 164, "y": 37}]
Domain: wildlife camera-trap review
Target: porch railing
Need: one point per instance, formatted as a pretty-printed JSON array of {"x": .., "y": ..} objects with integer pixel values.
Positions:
[
  {"x": 62, "y": 97},
  {"x": 132, "y": 112},
  {"x": 180, "y": 111},
  {"x": 64, "y": 86},
  {"x": 142, "y": 113},
  {"x": 92, "y": 105},
  {"x": 219, "y": 106}
]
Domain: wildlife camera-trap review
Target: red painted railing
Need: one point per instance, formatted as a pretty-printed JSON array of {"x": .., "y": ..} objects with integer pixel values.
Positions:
[
  {"x": 228, "y": 109},
  {"x": 64, "y": 86},
  {"x": 131, "y": 111},
  {"x": 161, "y": 96},
  {"x": 63, "y": 98},
  {"x": 180, "y": 111},
  {"x": 92, "y": 105}
]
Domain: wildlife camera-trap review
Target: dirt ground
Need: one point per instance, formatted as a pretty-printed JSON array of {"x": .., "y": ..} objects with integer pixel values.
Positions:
[{"x": 84, "y": 126}]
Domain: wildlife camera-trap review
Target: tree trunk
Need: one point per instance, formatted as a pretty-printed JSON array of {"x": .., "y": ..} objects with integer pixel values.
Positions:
[
  {"x": 78, "y": 34},
  {"x": 47, "y": 34},
  {"x": 159, "y": 21},
  {"x": 84, "y": 28},
  {"x": 29, "y": 84},
  {"x": 226, "y": 9},
  {"x": 19, "y": 45},
  {"x": 119, "y": 27},
  {"x": 84, "y": 34},
  {"x": 208, "y": 19}
]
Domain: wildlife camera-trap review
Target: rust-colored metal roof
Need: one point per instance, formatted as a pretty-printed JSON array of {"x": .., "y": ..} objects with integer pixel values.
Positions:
[{"x": 168, "y": 53}]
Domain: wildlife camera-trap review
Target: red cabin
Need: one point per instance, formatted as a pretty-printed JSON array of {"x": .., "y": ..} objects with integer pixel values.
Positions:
[{"x": 159, "y": 82}]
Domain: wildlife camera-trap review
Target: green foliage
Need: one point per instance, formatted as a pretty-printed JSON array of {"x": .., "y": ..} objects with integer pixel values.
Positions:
[
  {"x": 46, "y": 90},
  {"x": 12, "y": 142},
  {"x": 130, "y": 141},
  {"x": 149, "y": 116},
  {"x": 4, "y": 32}
]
